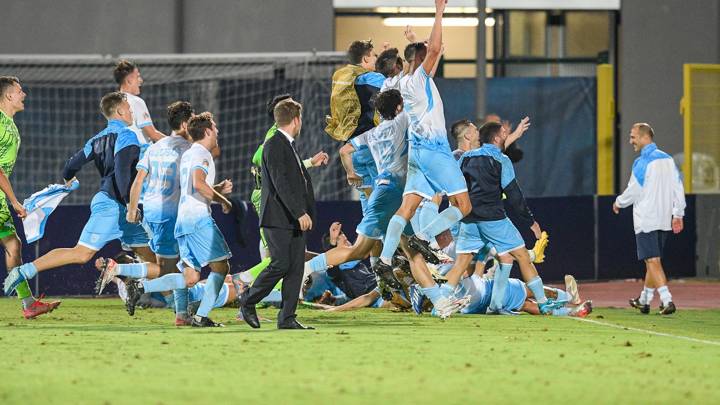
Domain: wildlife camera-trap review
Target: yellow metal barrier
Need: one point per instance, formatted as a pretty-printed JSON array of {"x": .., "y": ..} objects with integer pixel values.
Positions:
[
  {"x": 700, "y": 108},
  {"x": 605, "y": 129}
]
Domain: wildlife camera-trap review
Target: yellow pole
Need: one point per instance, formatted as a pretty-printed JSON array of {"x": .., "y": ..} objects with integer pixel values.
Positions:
[{"x": 605, "y": 130}]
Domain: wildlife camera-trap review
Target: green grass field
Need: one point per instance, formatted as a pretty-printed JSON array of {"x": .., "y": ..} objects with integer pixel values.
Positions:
[{"x": 90, "y": 351}]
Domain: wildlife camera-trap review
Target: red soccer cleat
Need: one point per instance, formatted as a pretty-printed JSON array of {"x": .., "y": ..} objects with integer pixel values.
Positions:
[
  {"x": 183, "y": 321},
  {"x": 38, "y": 308},
  {"x": 583, "y": 310}
]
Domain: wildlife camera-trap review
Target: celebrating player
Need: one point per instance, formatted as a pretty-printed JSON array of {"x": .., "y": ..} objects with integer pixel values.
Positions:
[{"x": 127, "y": 76}]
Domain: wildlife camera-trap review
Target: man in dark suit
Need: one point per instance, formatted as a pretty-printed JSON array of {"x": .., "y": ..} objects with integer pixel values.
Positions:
[{"x": 287, "y": 210}]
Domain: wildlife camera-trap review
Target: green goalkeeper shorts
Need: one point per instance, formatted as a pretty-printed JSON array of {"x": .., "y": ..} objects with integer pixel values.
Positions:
[{"x": 7, "y": 226}]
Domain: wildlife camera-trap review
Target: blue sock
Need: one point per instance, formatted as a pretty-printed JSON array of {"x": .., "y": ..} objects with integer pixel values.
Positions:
[
  {"x": 318, "y": 263},
  {"x": 433, "y": 293},
  {"x": 561, "y": 311},
  {"x": 561, "y": 294},
  {"x": 133, "y": 270},
  {"x": 222, "y": 295},
  {"x": 536, "y": 286},
  {"x": 447, "y": 289},
  {"x": 181, "y": 301},
  {"x": 444, "y": 221},
  {"x": 28, "y": 270},
  {"x": 167, "y": 282},
  {"x": 212, "y": 289},
  {"x": 500, "y": 282},
  {"x": 392, "y": 237},
  {"x": 426, "y": 215}
]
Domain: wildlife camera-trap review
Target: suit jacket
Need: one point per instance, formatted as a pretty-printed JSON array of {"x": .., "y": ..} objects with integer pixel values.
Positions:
[{"x": 285, "y": 195}]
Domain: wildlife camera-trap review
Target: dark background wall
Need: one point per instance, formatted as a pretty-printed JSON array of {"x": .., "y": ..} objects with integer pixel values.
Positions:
[
  {"x": 656, "y": 38},
  {"x": 164, "y": 26}
]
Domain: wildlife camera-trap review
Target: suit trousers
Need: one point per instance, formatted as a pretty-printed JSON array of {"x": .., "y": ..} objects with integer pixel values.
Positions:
[{"x": 287, "y": 253}]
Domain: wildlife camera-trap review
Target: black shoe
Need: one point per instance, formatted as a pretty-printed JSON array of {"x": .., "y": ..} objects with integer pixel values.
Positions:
[
  {"x": 423, "y": 247},
  {"x": 401, "y": 262},
  {"x": 204, "y": 322},
  {"x": 295, "y": 325},
  {"x": 250, "y": 316},
  {"x": 385, "y": 273},
  {"x": 635, "y": 303},
  {"x": 667, "y": 310},
  {"x": 134, "y": 292}
]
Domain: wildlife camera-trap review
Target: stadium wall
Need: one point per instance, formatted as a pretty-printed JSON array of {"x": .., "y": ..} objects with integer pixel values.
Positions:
[
  {"x": 165, "y": 26},
  {"x": 656, "y": 38},
  {"x": 587, "y": 240}
]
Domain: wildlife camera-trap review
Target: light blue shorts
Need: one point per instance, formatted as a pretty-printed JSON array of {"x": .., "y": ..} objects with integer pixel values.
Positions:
[
  {"x": 384, "y": 201},
  {"x": 107, "y": 223},
  {"x": 196, "y": 292},
  {"x": 162, "y": 238},
  {"x": 515, "y": 296},
  {"x": 500, "y": 234},
  {"x": 432, "y": 171},
  {"x": 364, "y": 166},
  {"x": 204, "y": 245}
]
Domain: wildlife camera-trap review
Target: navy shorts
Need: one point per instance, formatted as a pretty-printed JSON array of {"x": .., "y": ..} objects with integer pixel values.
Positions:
[{"x": 651, "y": 244}]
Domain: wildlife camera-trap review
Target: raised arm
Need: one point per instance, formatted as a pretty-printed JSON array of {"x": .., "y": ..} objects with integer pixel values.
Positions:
[{"x": 434, "y": 46}]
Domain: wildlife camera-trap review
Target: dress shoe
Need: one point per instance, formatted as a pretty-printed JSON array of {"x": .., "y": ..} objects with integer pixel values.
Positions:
[
  {"x": 250, "y": 316},
  {"x": 294, "y": 325}
]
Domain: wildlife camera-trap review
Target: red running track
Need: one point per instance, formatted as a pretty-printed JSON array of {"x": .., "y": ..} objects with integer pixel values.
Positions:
[{"x": 697, "y": 294}]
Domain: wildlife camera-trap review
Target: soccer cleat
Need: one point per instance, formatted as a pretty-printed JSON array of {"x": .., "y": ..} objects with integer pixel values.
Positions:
[
  {"x": 401, "y": 262},
  {"x": 423, "y": 247},
  {"x": 134, "y": 292},
  {"x": 13, "y": 279},
  {"x": 539, "y": 248},
  {"x": 417, "y": 298},
  {"x": 204, "y": 322},
  {"x": 644, "y": 308},
  {"x": 385, "y": 273},
  {"x": 183, "y": 321},
  {"x": 490, "y": 273},
  {"x": 547, "y": 306},
  {"x": 572, "y": 289},
  {"x": 667, "y": 309},
  {"x": 108, "y": 270},
  {"x": 39, "y": 307},
  {"x": 446, "y": 306},
  {"x": 583, "y": 310}
]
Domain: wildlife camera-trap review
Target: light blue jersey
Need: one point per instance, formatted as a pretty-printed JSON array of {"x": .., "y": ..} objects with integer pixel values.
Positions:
[
  {"x": 388, "y": 146},
  {"x": 193, "y": 208},
  {"x": 480, "y": 291},
  {"x": 162, "y": 193},
  {"x": 425, "y": 107}
]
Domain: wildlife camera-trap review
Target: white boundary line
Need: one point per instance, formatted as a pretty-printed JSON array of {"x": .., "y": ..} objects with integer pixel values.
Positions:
[{"x": 612, "y": 325}]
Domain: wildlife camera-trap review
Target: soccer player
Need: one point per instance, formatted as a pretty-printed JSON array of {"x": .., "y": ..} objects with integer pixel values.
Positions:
[
  {"x": 431, "y": 166},
  {"x": 12, "y": 101},
  {"x": 160, "y": 166},
  {"x": 114, "y": 151},
  {"x": 490, "y": 174},
  {"x": 200, "y": 241},
  {"x": 655, "y": 191},
  {"x": 127, "y": 76}
]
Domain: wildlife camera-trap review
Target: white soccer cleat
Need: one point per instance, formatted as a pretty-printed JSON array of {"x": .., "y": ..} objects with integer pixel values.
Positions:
[
  {"x": 447, "y": 306},
  {"x": 572, "y": 289},
  {"x": 108, "y": 271}
]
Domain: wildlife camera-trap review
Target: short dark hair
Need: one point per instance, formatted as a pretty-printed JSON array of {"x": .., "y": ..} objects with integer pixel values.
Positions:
[
  {"x": 6, "y": 82},
  {"x": 645, "y": 128},
  {"x": 412, "y": 49},
  {"x": 198, "y": 124},
  {"x": 110, "y": 102},
  {"x": 285, "y": 111},
  {"x": 272, "y": 103},
  {"x": 387, "y": 102},
  {"x": 458, "y": 128},
  {"x": 488, "y": 131},
  {"x": 122, "y": 70},
  {"x": 179, "y": 112},
  {"x": 388, "y": 61},
  {"x": 358, "y": 50}
]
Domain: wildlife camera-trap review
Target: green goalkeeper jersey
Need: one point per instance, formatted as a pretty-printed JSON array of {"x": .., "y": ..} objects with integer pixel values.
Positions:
[{"x": 9, "y": 143}]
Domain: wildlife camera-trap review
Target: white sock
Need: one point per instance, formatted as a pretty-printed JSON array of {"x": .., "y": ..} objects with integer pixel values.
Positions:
[
  {"x": 649, "y": 294},
  {"x": 665, "y": 295},
  {"x": 531, "y": 253}
]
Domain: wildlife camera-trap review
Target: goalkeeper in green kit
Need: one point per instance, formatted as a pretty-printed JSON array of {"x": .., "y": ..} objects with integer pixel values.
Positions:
[
  {"x": 321, "y": 158},
  {"x": 12, "y": 101}
]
